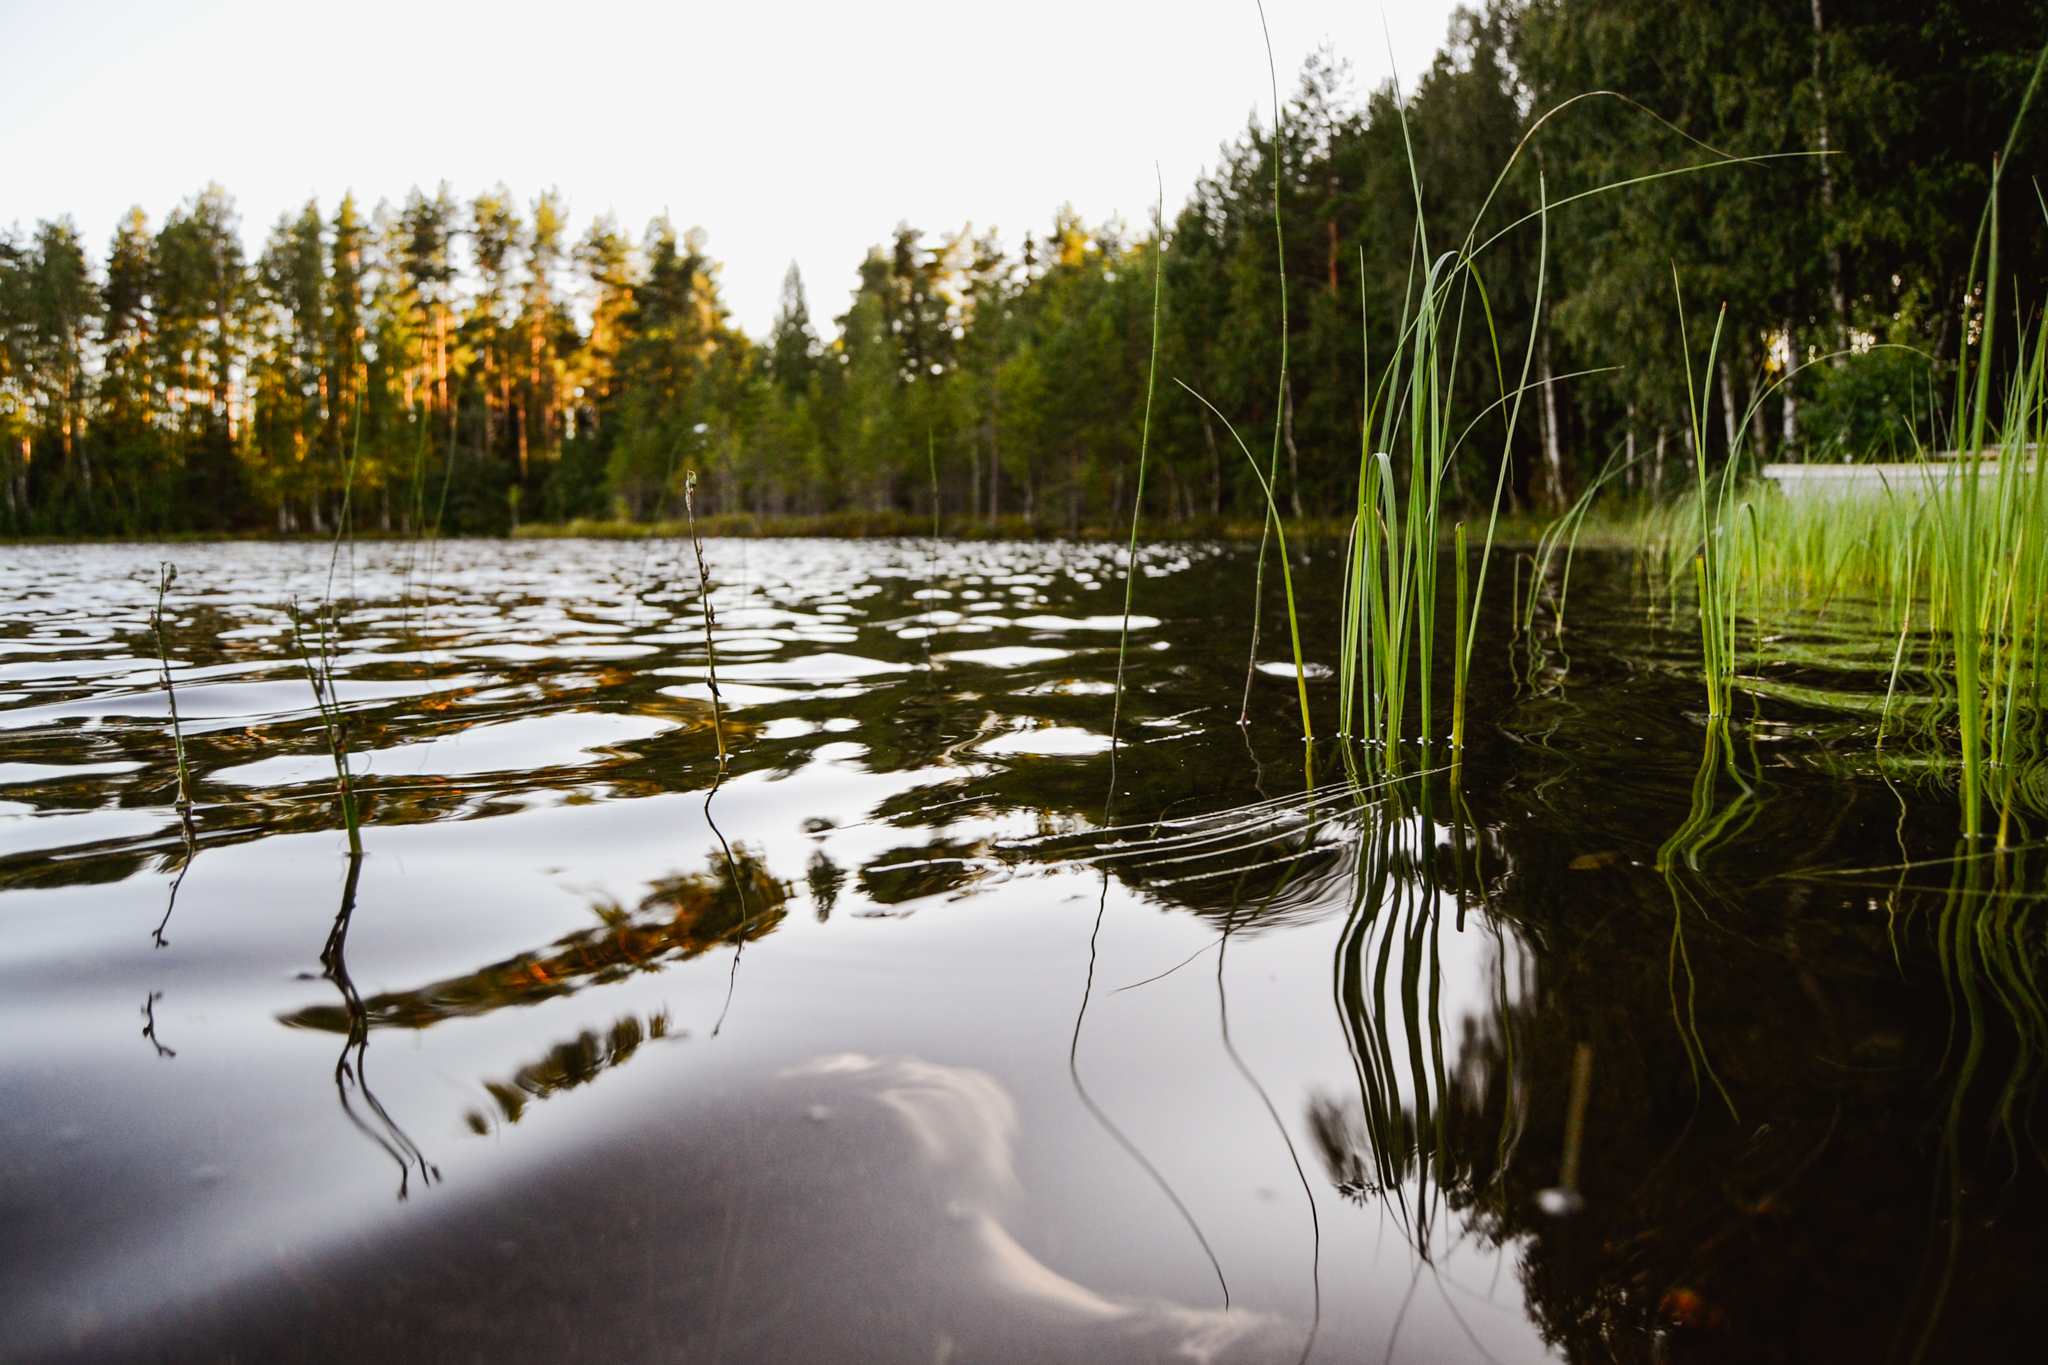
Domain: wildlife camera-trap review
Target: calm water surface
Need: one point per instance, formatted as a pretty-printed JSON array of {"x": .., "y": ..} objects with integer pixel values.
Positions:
[{"x": 934, "y": 1031}]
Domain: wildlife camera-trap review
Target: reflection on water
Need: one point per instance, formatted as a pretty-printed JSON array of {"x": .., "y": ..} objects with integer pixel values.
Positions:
[
  {"x": 352, "y": 1068},
  {"x": 567, "y": 1066},
  {"x": 1626, "y": 1036},
  {"x": 683, "y": 916}
]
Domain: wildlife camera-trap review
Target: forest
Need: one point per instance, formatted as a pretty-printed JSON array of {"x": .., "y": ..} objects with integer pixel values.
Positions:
[{"x": 1817, "y": 167}]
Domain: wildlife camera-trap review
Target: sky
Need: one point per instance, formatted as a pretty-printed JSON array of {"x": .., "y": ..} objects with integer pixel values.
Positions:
[{"x": 789, "y": 130}]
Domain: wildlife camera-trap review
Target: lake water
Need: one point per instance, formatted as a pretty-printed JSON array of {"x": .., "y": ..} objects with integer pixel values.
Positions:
[{"x": 937, "y": 1029}]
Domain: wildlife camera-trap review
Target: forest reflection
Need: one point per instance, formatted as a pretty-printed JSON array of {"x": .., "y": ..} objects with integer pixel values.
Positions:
[
  {"x": 734, "y": 899},
  {"x": 568, "y": 1065},
  {"x": 683, "y": 916}
]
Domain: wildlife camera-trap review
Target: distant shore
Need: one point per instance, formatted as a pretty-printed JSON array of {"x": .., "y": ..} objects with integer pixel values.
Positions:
[{"x": 1615, "y": 531}]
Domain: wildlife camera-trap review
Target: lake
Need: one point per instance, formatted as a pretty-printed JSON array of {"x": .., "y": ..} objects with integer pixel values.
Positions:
[{"x": 972, "y": 1012}]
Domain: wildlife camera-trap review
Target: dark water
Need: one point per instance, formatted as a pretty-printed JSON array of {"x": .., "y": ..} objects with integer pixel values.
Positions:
[{"x": 894, "y": 1045}]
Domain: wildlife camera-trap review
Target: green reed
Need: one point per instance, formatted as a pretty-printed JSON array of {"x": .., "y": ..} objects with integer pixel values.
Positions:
[
  {"x": 1949, "y": 562},
  {"x": 1713, "y": 566},
  {"x": 1274, "y": 527},
  {"x": 1390, "y": 601},
  {"x": 1123, "y": 639},
  {"x": 710, "y": 620},
  {"x": 319, "y": 661},
  {"x": 1397, "y": 538},
  {"x": 167, "y": 574}
]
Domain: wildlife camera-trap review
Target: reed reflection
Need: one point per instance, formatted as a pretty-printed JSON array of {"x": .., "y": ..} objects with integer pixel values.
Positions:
[
  {"x": 1406, "y": 1138},
  {"x": 149, "y": 1026},
  {"x": 1880, "y": 1035},
  {"x": 351, "y": 1074}
]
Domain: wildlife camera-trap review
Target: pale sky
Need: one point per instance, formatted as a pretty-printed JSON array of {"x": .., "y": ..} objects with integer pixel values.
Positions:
[{"x": 788, "y": 129}]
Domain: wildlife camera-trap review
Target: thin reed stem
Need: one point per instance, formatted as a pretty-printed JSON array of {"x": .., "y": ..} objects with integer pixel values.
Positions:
[
  {"x": 710, "y": 619},
  {"x": 1123, "y": 639},
  {"x": 333, "y": 724}
]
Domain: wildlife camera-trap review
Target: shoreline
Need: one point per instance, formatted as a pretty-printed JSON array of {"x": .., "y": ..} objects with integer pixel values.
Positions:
[{"x": 1621, "y": 532}]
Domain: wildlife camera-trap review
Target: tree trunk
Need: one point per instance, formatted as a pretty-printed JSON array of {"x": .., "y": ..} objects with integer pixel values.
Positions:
[
  {"x": 1788, "y": 431},
  {"x": 1215, "y": 466},
  {"x": 1553, "y": 454},
  {"x": 1757, "y": 433},
  {"x": 1629, "y": 449},
  {"x": 1293, "y": 455},
  {"x": 1836, "y": 297},
  {"x": 1074, "y": 489},
  {"x": 1657, "y": 463},
  {"x": 490, "y": 432},
  {"x": 1729, "y": 420},
  {"x": 84, "y": 463}
]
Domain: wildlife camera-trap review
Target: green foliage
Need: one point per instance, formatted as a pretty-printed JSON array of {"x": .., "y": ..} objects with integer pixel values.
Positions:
[
  {"x": 476, "y": 361},
  {"x": 1879, "y": 405},
  {"x": 1951, "y": 563}
]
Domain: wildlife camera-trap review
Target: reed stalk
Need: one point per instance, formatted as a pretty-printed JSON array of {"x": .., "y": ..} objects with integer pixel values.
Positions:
[
  {"x": 1950, "y": 566},
  {"x": 1463, "y": 623},
  {"x": 1947, "y": 567},
  {"x": 1390, "y": 590},
  {"x": 1268, "y": 480},
  {"x": 1123, "y": 639},
  {"x": 710, "y": 619},
  {"x": 319, "y": 662},
  {"x": 1279, "y": 530},
  {"x": 167, "y": 574}
]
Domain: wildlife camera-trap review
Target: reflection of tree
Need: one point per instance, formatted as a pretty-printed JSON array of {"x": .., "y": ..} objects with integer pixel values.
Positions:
[
  {"x": 567, "y": 1066},
  {"x": 682, "y": 917},
  {"x": 825, "y": 877},
  {"x": 909, "y": 874}
]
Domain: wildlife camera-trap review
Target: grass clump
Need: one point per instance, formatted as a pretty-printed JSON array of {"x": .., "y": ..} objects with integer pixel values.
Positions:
[
  {"x": 1949, "y": 565},
  {"x": 1950, "y": 561}
]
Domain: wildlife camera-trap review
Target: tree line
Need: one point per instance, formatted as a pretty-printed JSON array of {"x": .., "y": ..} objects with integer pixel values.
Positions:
[{"x": 1818, "y": 167}]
